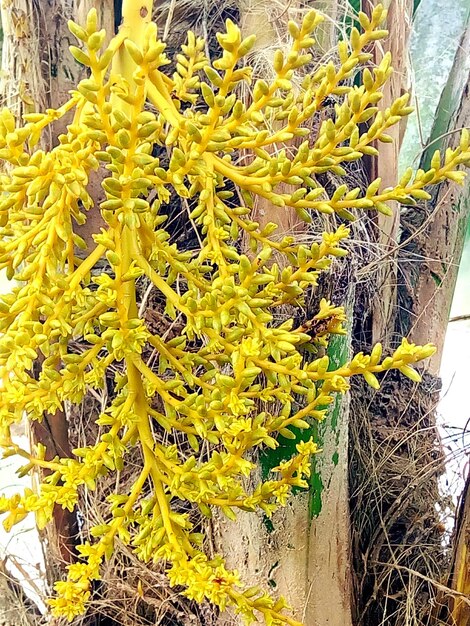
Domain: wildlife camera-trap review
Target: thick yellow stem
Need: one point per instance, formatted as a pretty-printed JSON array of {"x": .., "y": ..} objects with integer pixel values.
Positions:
[{"x": 135, "y": 15}]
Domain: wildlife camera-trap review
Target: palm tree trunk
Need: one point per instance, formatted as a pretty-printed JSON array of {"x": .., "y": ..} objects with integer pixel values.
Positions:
[
  {"x": 458, "y": 605},
  {"x": 395, "y": 485},
  {"x": 385, "y": 165},
  {"x": 303, "y": 553},
  {"x": 438, "y": 231}
]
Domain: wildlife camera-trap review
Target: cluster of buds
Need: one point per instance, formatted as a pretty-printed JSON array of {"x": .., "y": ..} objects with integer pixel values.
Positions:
[{"x": 235, "y": 379}]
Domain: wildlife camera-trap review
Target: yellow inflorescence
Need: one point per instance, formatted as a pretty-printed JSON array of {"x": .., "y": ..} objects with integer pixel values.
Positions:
[{"x": 233, "y": 387}]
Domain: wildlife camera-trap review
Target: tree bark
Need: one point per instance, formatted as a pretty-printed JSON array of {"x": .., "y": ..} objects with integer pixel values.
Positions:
[
  {"x": 396, "y": 458},
  {"x": 434, "y": 236},
  {"x": 459, "y": 604},
  {"x": 385, "y": 166},
  {"x": 303, "y": 553}
]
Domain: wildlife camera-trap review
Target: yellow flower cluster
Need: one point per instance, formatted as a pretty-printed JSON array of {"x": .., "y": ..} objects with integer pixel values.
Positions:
[{"x": 224, "y": 378}]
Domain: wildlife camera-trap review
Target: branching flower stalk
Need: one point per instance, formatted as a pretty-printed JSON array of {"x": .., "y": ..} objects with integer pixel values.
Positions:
[{"x": 223, "y": 379}]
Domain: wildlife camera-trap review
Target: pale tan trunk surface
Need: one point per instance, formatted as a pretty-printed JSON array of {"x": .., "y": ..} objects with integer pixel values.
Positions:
[
  {"x": 440, "y": 234},
  {"x": 385, "y": 166},
  {"x": 302, "y": 558}
]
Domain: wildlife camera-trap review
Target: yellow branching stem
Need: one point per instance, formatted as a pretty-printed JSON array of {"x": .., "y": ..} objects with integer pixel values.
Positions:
[{"x": 222, "y": 381}]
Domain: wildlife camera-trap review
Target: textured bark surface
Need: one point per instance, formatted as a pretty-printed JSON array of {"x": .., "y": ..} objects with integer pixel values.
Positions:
[
  {"x": 22, "y": 84},
  {"x": 329, "y": 576},
  {"x": 393, "y": 474},
  {"x": 434, "y": 236},
  {"x": 459, "y": 605},
  {"x": 396, "y": 458},
  {"x": 37, "y": 68},
  {"x": 272, "y": 553}
]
